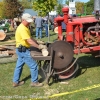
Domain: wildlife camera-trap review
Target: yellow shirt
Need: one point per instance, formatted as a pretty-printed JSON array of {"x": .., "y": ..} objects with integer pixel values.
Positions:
[{"x": 22, "y": 33}]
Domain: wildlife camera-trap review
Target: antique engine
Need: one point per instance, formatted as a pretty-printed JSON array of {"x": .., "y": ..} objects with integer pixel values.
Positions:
[
  {"x": 82, "y": 36},
  {"x": 82, "y": 33}
]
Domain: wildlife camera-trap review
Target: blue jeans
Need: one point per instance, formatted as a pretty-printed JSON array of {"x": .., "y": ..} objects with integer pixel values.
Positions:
[
  {"x": 39, "y": 32},
  {"x": 25, "y": 57},
  {"x": 46, "y": 29}
]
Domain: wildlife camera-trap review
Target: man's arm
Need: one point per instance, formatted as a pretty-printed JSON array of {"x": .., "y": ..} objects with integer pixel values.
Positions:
[{"x": 33, "y": 42}]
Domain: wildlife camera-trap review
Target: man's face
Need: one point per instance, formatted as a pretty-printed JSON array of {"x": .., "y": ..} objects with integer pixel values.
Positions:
[{"x": 27, "y": 23}]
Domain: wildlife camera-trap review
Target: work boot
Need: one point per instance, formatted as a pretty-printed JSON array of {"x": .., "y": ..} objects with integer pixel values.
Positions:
[
  {"x": 18, "y": 84},
  {"x": 36, "y": 84}
]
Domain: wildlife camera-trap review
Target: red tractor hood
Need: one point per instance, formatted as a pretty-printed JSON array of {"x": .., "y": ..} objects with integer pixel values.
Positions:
[{"x": 85, "y": 19}]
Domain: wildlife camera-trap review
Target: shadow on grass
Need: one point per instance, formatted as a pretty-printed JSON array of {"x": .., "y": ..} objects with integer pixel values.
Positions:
[
  {"x": 86, "y": 62},
  {"x": 97, "y": 99},
  {"x": 26, "y": 78},
  {"x": 40, "y": 73}
]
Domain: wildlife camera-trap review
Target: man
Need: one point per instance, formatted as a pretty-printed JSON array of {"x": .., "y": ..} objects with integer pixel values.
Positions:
[
  {"x": 23, "y": 43},
  {"x": 38, "y": 23},
  {"x": 45, "y": 20}
]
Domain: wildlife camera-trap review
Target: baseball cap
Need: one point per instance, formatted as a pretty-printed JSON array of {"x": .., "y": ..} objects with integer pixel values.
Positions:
[{"x": 27, "y": 17}]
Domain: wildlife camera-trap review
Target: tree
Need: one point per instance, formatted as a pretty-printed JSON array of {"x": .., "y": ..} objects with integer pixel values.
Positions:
[
  {"x": 26, "y": 3},
  {"x": 67, "y": 2},
  {"x": 90, "y": 7},
  {"x": 79, "y": 7},
  {"x": 12, "y": 9},
  {"x": 1, "y": 10},
  {"x": 43, "y": 7},
  {"x": 59, "y": 9}
]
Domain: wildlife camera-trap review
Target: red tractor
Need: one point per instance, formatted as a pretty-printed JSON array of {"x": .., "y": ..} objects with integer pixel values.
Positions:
[
  {"x": 82, "y": 36},
  {"x": 82, "y": 32}
]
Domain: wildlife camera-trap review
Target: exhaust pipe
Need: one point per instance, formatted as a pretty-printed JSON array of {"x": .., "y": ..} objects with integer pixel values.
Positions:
[{"x": 97, "y": 8}]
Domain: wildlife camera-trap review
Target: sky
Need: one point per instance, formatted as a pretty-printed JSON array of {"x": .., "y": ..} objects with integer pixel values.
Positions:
[{"x": 84, "y": 1}]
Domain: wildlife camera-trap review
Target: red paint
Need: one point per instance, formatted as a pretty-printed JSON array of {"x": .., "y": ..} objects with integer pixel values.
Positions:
[{"x": 76, "y": 29}]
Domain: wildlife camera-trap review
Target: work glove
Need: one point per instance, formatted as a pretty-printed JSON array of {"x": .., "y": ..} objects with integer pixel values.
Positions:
[
  {"x": 41, "y": 46},
  {"x": 40, "y": 42}
]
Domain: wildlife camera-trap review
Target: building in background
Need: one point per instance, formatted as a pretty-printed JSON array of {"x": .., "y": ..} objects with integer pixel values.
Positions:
[
  {"x": 54, "y": 13},
  {"x": 71, "y": 6}
]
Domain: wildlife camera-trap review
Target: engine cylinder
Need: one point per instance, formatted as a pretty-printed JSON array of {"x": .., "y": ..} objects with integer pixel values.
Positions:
[{"x": 96, "y": 5}]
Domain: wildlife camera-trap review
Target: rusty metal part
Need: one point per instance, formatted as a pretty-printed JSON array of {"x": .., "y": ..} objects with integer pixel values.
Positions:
[
  {"x": 70, "y": 73},
  {"x": 62, "y": 54},
  {"x": 37, "y": 54}
]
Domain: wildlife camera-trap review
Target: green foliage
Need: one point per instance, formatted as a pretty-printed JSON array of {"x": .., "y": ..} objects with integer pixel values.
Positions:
[
  {"x": 90, "y": 7},
  {"x": 85, "y": 8},
  {"x": 67, "y": 2},
  {"x": 44, "y": 6},
  {"x": 26, "y": 3},
  {"x": 59, "y": 9},
  {"x": 1, "y": 10},
  {"x": 79, "y": 7},
  {"x": 12, "y": 8}
]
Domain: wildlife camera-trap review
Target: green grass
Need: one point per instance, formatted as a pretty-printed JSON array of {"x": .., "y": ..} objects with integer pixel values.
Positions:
[
  {"x": 88, "y": 75},
  {"x": 52, "y": 36}
]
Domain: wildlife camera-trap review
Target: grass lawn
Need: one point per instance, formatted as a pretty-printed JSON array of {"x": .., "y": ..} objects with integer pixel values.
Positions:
[{"x": 88, "y": 75}]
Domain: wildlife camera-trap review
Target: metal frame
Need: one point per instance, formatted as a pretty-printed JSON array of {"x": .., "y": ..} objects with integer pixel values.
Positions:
[{"x": 41, "y": 58}]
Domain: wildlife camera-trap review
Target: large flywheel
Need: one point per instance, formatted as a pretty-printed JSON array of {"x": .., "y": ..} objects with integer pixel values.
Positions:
[{"x": 62, "y": 54}]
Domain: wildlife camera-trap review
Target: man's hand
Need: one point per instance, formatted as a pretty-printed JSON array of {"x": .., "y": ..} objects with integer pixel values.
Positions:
[
  {"x": 40, "y": 42},
  {"x": 41, "y": 46}
]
